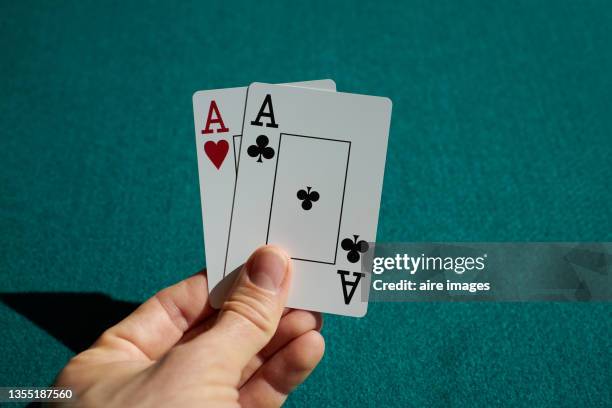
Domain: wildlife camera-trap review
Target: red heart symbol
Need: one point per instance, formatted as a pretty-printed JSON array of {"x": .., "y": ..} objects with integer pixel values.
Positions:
[{"x": 216, "y": 152}]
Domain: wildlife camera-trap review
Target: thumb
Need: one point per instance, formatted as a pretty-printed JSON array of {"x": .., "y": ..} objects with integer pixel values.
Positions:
[{"x": 249, "y": 317}]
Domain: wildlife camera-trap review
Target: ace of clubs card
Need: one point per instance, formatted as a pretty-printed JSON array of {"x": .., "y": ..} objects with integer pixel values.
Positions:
[{"x": 310, "y": 181}]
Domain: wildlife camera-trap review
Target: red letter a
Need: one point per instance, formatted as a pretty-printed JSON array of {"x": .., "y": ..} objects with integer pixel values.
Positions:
[{"x": 216, "y": 119}]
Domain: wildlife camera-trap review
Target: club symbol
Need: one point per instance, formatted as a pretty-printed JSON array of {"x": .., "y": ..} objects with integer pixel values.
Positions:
[
  {"x": 261, "y": 149},
  {"x": 307, "y": 197},
  {"x": 354, "y": 248}
]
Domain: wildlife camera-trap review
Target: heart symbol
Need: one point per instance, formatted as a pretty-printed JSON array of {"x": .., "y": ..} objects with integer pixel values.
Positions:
[{"x": 216, "y": 151}]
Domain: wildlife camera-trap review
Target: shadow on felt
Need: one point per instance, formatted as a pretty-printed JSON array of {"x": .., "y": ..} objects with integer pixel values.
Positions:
[{"x": 75, "y": 319}]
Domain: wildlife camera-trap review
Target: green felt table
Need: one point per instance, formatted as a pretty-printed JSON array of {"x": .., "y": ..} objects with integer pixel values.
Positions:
[{"x": 501, "y": 131}]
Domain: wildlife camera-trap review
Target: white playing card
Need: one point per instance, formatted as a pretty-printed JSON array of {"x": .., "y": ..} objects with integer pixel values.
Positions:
[
  {"x": 310, "y": 180},
  {"x": 218, "y": 116}
]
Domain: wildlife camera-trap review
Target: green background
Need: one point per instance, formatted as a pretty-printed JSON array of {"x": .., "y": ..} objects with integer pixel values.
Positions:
[{"x": 501, "y": 131}]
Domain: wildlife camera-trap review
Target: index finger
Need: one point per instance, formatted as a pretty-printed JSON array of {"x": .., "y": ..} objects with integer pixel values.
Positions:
[{"x": 160, "y": 322}]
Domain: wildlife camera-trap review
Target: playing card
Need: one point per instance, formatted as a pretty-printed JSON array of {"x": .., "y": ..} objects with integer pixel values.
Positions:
[
  {"x": 310, "y": 180},
  {"x": 218, "y": 116}
]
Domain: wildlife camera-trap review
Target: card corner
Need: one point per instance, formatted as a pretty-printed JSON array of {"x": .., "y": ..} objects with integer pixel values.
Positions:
[
  {"x": 388, "y": 102},
  {"x": 256, "y": 84},
  {"x": 362, "y": 313},
  {"x": 332, "y": 83},
  {"x": 195, "y": 95}
]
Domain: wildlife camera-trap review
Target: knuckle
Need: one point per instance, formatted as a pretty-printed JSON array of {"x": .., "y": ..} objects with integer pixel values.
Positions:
[
  {"x": 72, "y": 373},
  {"x": 310, "y": 356},
  {"x": 255, "y": 307},
  {"x": 65, "y": 377}
]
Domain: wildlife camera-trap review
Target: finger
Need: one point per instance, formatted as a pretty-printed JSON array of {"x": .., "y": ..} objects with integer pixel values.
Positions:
[
  {"x": 250, "y": 316},
  {"x": 159, "y": 323},
  {"x": 287, "y": 369},
  {"x": 291, "y": 326},
  {"x": 206, "y": 324}
]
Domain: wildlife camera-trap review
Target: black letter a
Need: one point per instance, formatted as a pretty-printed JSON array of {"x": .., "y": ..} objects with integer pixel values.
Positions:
[
  {"x": 353, "y": 285},
  {"x": 270, "y": 114}
]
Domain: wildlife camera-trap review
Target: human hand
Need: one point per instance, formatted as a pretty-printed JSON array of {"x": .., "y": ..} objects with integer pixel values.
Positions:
[{"x": 175, "y": 350}]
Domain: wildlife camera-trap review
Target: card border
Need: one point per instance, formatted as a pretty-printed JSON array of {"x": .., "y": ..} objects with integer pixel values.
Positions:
[
  {"x": 236, "y": 158},
  {"x": 229, "y": 231},
  {"x": 348, "y": 158}
]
